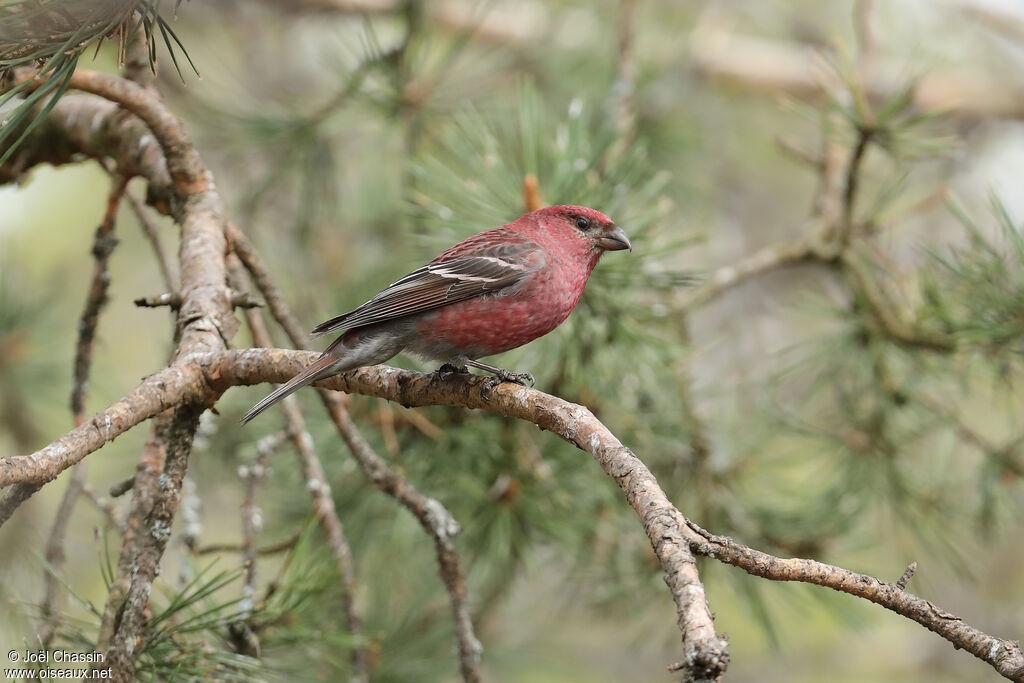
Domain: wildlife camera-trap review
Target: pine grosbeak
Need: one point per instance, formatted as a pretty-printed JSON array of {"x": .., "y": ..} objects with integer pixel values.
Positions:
[{"x": 492, "y": 292}]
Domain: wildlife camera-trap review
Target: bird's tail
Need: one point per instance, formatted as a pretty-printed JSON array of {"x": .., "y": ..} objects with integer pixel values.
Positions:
[{"x": 321, "y": 367}]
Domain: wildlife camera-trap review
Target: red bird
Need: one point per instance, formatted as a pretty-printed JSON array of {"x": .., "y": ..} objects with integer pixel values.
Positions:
[{"x": 489, "y": 293}]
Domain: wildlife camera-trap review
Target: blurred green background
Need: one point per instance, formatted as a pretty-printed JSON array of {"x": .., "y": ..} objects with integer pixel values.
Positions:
[{"x": 353, "y": 141}]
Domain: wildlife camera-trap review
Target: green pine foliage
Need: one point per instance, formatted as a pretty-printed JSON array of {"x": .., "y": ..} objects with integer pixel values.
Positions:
[{"x": 53, "y": 35}]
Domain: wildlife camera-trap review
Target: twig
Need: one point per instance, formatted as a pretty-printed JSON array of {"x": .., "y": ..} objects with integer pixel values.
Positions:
[
  {"x": 270, "y": 549},
  {"x": 319, "y": 489},
  {"x": 1000, "y": 453},
  {"x": 122, "y": 487},
  {"x": 726, "y": 277},
  {"x": 104, "y": 505},
  {"x": 1004, "y": 655},
  {"x": 890, "y": 323},
  {"x": 252, "y": 522},
  {"x": 173, "y": 300},
  {"x": 623, "y": 91},
  {"x": 254, "y": 475},
  {"x": 276, "y": 303},
  {"x": 103, "y": 245},
  {"x": 423, "y": 424},
  {"x": 864, "y": 137},
  {"x": 798, "y": 152},
  {"x": 386, "y": 419},
  {"x": 153, "y": 237},
  {"x": 901, "y": 583},
  {"x": 435, "y": 520}
]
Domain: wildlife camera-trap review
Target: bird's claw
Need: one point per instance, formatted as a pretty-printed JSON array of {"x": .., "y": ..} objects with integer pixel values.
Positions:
[
  {"x": 447, "y": 370},
  {"x": 523, "y": 378}
]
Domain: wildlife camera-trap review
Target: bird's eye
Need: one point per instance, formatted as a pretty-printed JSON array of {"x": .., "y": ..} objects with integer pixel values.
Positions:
[{"x": 582, "y": 223}]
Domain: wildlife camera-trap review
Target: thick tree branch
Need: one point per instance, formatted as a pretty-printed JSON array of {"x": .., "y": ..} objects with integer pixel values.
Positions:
[
  {"x": 140, "y": 558},
  {"x": 704, "y": 651},
  {"x": 205, "y": 322},
  {"x": 188, "y": 173}
]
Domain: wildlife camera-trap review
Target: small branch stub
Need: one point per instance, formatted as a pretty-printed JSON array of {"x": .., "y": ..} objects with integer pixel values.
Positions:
[
  {"x": 907, "y": 574},
  {"x": 172, "y": 299}
]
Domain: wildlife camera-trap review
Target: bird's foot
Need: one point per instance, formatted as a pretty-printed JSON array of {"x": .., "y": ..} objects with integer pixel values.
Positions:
[
  {"x": 501, "y": 376},
  {"x": 447, "y": 370}
]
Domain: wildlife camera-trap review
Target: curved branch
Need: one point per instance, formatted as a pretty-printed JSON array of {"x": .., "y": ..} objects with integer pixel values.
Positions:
[
  {"x": 667, "y": 528},
  {"x": 705, "y": 652},
  {"x": 1005, "y": 656},
  {"x": 186, "y": 168},
  {"x": 672, "y": 535}
]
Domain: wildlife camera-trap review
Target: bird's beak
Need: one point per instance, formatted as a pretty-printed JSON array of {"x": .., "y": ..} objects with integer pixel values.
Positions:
[{"x": 615, "y": 240}]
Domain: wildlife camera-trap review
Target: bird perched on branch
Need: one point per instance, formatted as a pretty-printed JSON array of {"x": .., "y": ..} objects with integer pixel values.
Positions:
[{"x": 489, "y": 293}]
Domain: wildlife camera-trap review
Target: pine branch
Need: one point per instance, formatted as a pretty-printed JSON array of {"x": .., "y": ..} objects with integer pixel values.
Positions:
[
  {"x": 103, "y": 245},
  {"x": 669, "y": 531},
  {"x": 318, "y": 487}
]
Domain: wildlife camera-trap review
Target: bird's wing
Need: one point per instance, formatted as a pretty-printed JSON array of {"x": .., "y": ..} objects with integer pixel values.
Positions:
[{"x": 449, "y": 278}]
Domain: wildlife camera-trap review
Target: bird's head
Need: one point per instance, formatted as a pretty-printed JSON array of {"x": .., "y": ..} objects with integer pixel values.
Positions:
[{"x": 579, "y": 222}]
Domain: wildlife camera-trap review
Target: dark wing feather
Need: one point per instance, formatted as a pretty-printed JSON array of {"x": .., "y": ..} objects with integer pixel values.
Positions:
[{"x": 441, "y": 283}]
